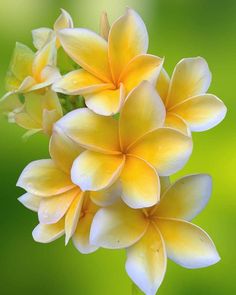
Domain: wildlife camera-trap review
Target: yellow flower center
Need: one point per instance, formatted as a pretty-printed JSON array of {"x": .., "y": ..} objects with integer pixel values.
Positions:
[{"x": 149, "y": 213}]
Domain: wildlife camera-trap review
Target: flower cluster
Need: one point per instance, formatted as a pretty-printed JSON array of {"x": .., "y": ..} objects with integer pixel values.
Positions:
[{"x": 119, "y": 127}]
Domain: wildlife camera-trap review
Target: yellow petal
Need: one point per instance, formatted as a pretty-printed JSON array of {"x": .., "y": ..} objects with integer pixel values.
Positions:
[
  {"x": 176, "y": 122},
  {"x": 201, "y": 112},
  {"x": 63, "y": 150},
  {"x": 30, "y": 201},
  {"x": 49, "y": 119},
  {"x": 104, "y": 25},
  {"x": 43, "y": 178},
  {"x": 63, "y": 21},
  {"x": 24, "y": 120},
  {"x": 80, "y": 82},
  {"x": 140, "y": 68},
  {"x": 88, "y": 205},
  {"x": 50, "y": 101},
  {"x": 52, "y": 111},
  {"x": 20, "y": 66},
  {"x": 186, "y": 198},
  {"x": 143, "y": 111},
  {"x": 106, "y": 102},
  {"x": 27, "y": 84},
  {"x": 81, "y": 235},
  {"x": 44, "y": 57},
  {"x": 52, "y": 209},
  {"x": 40, "y": 111},
  {"x": 146, "y": 261},
  {"x": 127, "y": 38},
  {"x": 162, "y": 85},
  {"x": 33, "y": 106},
  {"x": 41, "y": 36},
  {"x": 94, "y": 171},
  {"x": 49, "y": 75},
  {"x": 11, "y": 82},
  {"x": 166, "y": 149},
  {"x": 36, "y": 103},
  {"x": 165, "y": 183},
  {"x": 117, "y": 226},
  {"x": 140, "y": 183},
  {"x": 46, "y": 233},
  {"x": 187, "y": 244},
  {"x": 107, "y": 196},
  {"x": 191, "y": 77},
  {"x": 88, "y": 49},
  {"x": 72, "y": 216},
  {"x": 9, "y": 102},
  {"x": 91, "y": 131}
]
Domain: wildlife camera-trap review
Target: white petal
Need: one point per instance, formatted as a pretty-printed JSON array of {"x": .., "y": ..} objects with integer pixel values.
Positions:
[
  {"x": 187, "y": 244},
  {"x": 186, "y": 198},
  {"x": 146, "y": 261},
  {"x": 117, "y": 226},
  {"x": 46, "y": 233},
  {"x": 30, "y": 201}
]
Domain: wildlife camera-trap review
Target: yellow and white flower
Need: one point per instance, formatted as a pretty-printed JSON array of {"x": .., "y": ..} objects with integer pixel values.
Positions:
[
  {"x": 110, "y": 69},
  {"x": 188, "y": 106},
  {"x": 61, "y": 205},
  {"x": 38, "y": 113},
  {"x": 42, "y": 35},
  {"x": 30, "y": 74},
  {"x": 131, "y": 151},
  {"x": 150, "y": 235},
  {"x": 31, "y": 71}
]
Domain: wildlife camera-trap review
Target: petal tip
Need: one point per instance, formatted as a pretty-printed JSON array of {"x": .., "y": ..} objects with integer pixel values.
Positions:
[{"x": 67, "y": 239}]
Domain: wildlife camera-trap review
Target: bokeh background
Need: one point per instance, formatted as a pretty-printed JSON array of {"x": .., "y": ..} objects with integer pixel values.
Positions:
[{"x": 177, "y": 29}]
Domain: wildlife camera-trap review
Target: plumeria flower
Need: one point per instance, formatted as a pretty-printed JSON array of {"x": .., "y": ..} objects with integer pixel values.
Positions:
[
  {"x": 61, "y": 205},
  {"x": 188, "y": 106},
  {"x": 42, "y": 35},
  {"x": 151, "y": 235},
  {"x": 38, "y": 113},
  {"x": 29, "y": 72},
  {"x": 110, "y": 69},
  {"x": 132, "y": 150}
]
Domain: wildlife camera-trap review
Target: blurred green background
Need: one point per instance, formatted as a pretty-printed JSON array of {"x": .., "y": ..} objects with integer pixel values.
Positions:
[{"x": 177, "y": 29}]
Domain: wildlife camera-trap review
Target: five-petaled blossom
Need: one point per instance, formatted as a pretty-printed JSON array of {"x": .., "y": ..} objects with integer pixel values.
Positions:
[
  {"x": 31, "y": 71},
  {"x": 110, "y": 69},
  {"x": 38, "y": 113},
  {"x": 30, "y": 74},
  {"x": 132, "y": 150},
  {"x": 61, "y": 205},
  {"x": 188, "y": 106},
  {"x": 150, "y": 235}
]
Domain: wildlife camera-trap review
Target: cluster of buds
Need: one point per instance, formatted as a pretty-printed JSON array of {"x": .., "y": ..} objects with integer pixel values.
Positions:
[{"x": 118, "y": 128}]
